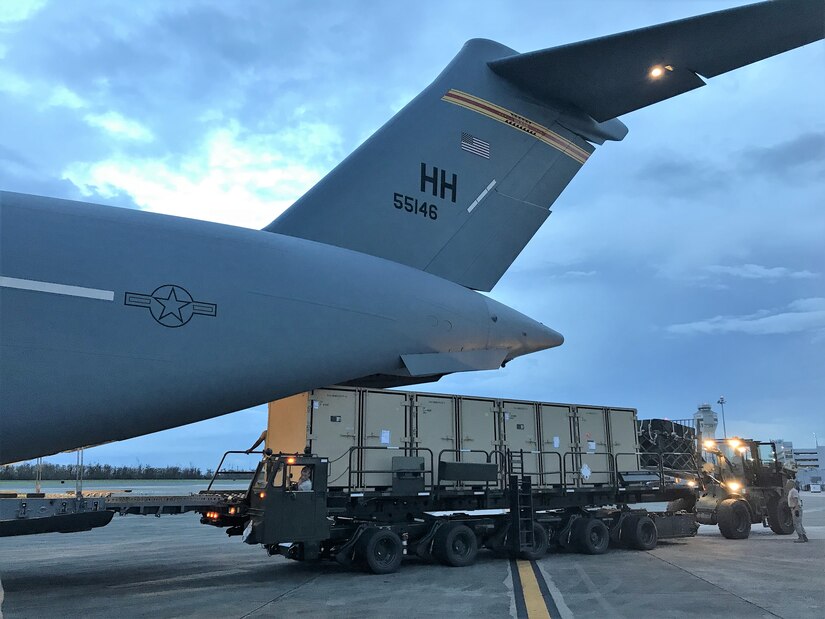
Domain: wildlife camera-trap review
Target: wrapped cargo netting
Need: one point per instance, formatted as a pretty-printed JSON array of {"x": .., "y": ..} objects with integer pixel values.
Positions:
[{"x": 674, "y": 440}]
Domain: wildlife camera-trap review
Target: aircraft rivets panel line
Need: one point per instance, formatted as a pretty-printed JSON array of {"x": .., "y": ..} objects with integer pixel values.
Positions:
[{"x": 517, "y": 121}]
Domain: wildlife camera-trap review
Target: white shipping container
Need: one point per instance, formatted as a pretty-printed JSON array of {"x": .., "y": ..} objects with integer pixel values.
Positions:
[{"x": 575, "y": 442}]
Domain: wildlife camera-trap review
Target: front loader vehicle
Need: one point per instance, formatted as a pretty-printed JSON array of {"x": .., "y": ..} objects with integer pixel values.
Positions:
[{"x": 743, "y": 484}]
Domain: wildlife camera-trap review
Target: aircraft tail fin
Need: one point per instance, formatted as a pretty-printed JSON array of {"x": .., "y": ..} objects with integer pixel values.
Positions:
[
  {"x": 459, "y": 181},
  {"x": 455, "y": 184}
]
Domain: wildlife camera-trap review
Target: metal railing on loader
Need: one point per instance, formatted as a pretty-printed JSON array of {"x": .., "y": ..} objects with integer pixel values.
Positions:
[{"x": 573, "y": 471}]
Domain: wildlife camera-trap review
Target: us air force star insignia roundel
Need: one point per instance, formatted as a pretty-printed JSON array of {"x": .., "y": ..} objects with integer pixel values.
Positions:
[{"x": 171, "y": 305}]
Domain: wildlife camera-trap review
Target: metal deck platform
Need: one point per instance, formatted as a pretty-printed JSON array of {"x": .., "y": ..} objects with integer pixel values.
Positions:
[{"x": 28, "y": 513}]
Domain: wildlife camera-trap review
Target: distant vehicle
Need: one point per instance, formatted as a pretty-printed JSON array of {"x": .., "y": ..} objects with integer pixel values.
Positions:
[
  {"x": 118, "y": 322},
  {"x": 816, "y": 488}
]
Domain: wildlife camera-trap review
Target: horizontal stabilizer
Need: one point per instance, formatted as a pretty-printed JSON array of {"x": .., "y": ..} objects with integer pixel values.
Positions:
[
  {"x": 460, "y": 179},
  {"x": 613, "y": 75},
  {"x": 462, "y": 361}
]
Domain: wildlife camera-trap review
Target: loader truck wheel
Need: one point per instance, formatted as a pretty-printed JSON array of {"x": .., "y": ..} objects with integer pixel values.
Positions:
[
  {"x": 780, "y": 518},
  {"x": 639, "y": 532},
  {"x": 456, "y": 545},
  {"x": 540, "y": 544},
  {"x": 734, "y": 519},
  {"x": 380, "y": 551},
  {"x": 591, "y": 536}
]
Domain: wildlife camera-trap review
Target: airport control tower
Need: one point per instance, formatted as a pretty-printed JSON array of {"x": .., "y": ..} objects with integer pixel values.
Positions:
[{"x": 705, "y": 422}]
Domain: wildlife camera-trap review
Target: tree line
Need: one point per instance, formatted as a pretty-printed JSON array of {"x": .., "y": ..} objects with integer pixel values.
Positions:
[{"x": 102, "y": 471}]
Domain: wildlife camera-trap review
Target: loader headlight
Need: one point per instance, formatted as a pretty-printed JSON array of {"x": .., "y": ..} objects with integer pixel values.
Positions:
[
  {"x": 733, "y": 486},
  {"x": 709, "y": 444},
  {"x": 692, "y": 484}
]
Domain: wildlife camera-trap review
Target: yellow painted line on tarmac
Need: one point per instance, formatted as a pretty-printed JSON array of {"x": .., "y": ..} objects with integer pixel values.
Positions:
[{"x": 533, "y": 599}]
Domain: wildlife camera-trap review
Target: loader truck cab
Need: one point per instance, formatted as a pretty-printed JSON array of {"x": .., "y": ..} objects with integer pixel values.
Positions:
[
  {"x": 282, "y": 511},
  {"x": 743, "y": 483}
]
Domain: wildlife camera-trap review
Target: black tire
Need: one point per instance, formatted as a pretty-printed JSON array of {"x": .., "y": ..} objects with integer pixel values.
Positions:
[
  {"x": 682, "y": 505},
  {"x": 734, "y": 519},
  {"x": 380, "y": 551},
  {"x": 639, "y": 532},
  {"x": 456, "y": 545},
  {"x": 780, "y": 518},
  {"x": 540, "y": 544},
  {"x": 591, "y": 536}
]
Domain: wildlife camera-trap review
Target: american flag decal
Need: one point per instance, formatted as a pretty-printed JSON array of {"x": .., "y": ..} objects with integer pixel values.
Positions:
[{"x": 472, "y": 144}]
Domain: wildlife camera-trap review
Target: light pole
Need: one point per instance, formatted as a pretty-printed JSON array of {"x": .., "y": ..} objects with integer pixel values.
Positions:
[{"x": 721, "y": 402}]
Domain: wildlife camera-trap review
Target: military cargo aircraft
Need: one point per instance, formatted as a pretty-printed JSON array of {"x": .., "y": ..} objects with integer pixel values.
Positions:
[{"x": 117, "y": 322}]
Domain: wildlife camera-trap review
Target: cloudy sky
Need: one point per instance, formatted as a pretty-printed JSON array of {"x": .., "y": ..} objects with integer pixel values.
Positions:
[{"x": 684, "y": 263}]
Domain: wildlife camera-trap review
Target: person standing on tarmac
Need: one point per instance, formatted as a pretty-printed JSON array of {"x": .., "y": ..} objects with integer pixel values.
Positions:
[{"x": 796, "y": 511}]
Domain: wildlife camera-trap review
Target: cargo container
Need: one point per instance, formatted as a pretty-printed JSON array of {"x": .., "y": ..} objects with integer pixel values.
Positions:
[{"x": 572, "y": 444}]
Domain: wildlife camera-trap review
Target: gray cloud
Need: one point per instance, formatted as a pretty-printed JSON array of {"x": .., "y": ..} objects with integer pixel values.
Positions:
[
  {"x": 800, "y": 315},
  {"x": 806, "y": 150},
  {"x": 756, "y": 271},
  {"x": 682, "y": 176},
  {"x": 7, "y": 155},
  {"x": 690, "y": 176}
]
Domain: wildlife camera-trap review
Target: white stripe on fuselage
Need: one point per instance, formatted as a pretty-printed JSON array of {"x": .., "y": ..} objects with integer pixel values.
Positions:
[{"x": 51, "y": 287}]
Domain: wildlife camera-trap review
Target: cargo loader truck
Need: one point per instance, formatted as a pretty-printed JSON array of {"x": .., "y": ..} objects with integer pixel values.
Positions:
[
  {"x": 435, "y": 476},
  {"x": 469, "y": 505},
  {"x": 440, "y": 476}
]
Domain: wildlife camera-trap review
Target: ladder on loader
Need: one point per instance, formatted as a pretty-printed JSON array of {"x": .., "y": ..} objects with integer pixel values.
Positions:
[{"x": 521, "y": 504}]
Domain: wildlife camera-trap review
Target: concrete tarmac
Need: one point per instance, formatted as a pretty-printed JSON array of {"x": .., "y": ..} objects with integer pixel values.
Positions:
[{"x": 141, "y": 566}]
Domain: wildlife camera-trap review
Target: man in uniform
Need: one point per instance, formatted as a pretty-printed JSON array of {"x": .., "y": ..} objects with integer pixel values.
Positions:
[{"x": 796, "y": 510}]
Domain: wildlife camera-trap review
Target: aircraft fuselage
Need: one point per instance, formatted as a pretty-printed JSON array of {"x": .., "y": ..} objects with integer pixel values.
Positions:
[{"x": 156, "y": 321}]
